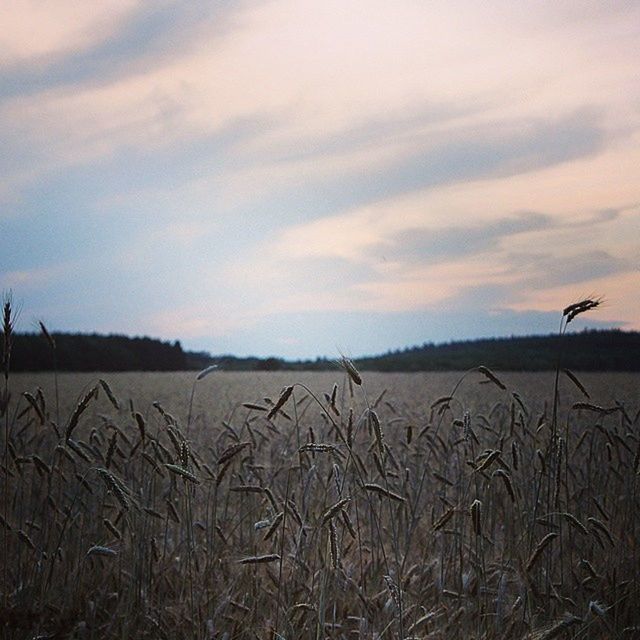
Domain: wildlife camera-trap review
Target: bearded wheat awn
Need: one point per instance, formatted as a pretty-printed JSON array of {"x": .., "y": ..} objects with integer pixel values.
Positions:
[
  {"x": 269, "y": 557},
  {"x": 575, "y": 523},
  {"x": 110, "y": 395},
  {"x": 182, "y": 472},
  {"x": 476, "y": 515},
  {"x": 247, "y": 488},
  {"x": 351, "y": 370},
  {"x": 79, "y": 410},
  {"x": 376, "y": 488},
  {"x": 114, "y": 487},
  {"x": 282, "y": 400},
  {"x": 7, "y": 331},
  {"x": 583, "y": 306},
  {"x": 334, "y": 509},
  {"x": 540, "y": 547},
  {"x": 444, "y": 518},
  {"x": 273, "y": 527},
  {"x": 35, "y": 406},
  {"x": 232, "y": 451},
  {"x": 205, "y": 372},
  {"x": 506, "y": 479},
  {"x": 254, "y": 407},
  {"x": 487, "y": 373},
  {"x": 333, "y": 545},
  {"x": 374, "y": 422},
  {"x": 98, "y": 550}
]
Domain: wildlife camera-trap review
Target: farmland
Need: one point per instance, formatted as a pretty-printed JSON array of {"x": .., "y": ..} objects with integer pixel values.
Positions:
[{"x": 306, "y": 505}]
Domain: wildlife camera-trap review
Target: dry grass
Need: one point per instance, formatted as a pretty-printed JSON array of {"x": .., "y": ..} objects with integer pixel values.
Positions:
[{"x": 402, "y": 506}]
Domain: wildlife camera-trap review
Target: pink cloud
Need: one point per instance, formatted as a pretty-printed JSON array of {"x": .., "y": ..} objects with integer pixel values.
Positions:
[{"x": 37, "y": 31}]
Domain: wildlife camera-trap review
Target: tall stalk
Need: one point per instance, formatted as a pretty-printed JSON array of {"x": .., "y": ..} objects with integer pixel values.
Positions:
[
  {"x": 7, "y": 329},
  {"x": 203, "y": 374},
  {"x": 54, "y": 356}
]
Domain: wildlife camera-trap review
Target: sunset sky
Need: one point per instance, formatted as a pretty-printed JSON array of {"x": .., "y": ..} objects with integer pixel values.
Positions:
[{"x": 303, "y": 178}]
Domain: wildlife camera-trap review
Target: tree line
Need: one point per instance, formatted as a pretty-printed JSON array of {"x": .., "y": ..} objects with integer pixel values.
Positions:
[
  {"x": 603, "y": 350},
  {"x": 609, "y": 350},
  {"x": 94, "y": 352}
]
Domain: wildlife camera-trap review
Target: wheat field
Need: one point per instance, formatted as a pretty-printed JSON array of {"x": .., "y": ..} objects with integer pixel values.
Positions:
[{"x": 306, "y": 505}]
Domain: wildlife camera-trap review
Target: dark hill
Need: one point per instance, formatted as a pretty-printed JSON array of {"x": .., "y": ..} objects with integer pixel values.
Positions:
[{"x": 611, "y": 350}]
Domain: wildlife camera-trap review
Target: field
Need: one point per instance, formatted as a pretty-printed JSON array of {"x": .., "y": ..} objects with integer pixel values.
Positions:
[{"x": 308, "y": 505}]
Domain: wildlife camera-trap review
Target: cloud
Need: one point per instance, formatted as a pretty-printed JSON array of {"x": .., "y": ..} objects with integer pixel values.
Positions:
[
  {"x": 442, "y": 219},
  {"x": 28, "y": 279},
  {"x": 234, "y": 165},
  {"x": 306, "y": 71},
  {"x": 448, "y": 243},
  {"x": 35, "y": 31},
  {"x": 347, "y": 178},
  {"x": 150, "y": 33},
  {"x": 407, "y": 263},
  {"x": 545, "y": 270},
  {"x": 195, "y": 321}
]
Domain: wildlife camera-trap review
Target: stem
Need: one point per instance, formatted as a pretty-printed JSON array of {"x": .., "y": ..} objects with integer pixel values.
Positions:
[{"x": 193, "y": 392}]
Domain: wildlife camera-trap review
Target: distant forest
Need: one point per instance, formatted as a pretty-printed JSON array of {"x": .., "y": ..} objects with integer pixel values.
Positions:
[
  {"x": 94, "y": 352},
  {"x": 611, "y": 350}
]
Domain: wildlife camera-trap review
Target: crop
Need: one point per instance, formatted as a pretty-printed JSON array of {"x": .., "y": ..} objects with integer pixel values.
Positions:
[{"x": 342, "y": 505}]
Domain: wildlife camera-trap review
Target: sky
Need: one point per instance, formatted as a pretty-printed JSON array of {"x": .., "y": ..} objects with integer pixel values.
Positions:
[{"x": 302, "y": 179}]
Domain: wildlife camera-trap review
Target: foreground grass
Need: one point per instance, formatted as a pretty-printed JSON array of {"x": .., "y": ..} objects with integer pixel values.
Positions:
[{"x": 458, "y": 506}]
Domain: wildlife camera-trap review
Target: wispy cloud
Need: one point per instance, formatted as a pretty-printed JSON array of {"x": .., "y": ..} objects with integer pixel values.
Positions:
[
  {"x": 331, "y": 85},
  {"x": 38, "y": 32},
  {"x": 427, "y": 261},
  {"x": 29, "y": 279}
]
